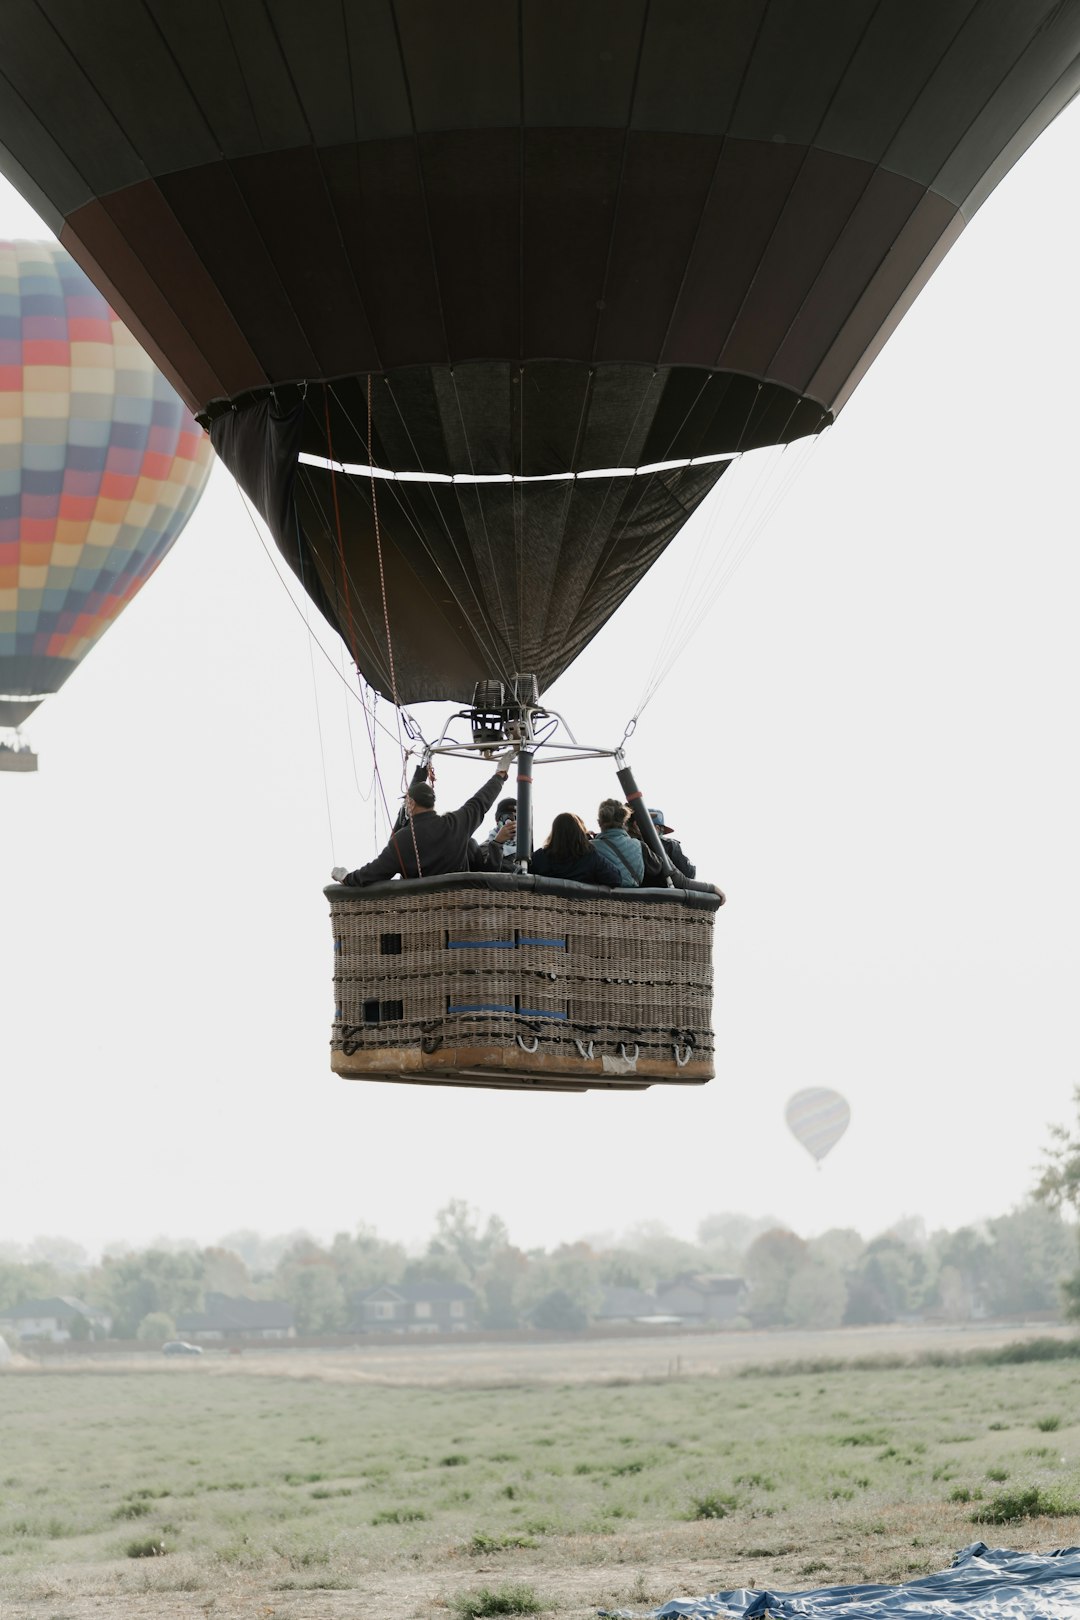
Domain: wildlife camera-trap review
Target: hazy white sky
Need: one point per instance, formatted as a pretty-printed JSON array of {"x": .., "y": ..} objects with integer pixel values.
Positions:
[{"x": 871, "y": 745}]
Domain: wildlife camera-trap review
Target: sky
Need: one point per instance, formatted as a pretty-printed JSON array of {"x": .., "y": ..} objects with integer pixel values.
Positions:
[{"x": 870, "y": 743}]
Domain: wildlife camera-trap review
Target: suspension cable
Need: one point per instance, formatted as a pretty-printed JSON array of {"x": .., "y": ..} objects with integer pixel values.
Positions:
[{"x": 386, "y": 623}]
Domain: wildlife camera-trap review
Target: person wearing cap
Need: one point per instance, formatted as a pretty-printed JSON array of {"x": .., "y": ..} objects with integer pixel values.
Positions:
[
  {"x": 671, "y": 845},
  {"x": 424, "y": 843}
]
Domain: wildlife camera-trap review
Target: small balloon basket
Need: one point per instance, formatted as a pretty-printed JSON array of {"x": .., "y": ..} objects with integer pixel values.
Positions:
[
  {"x": 18, "y": 759},
  {"x": 522, "y": 983}
]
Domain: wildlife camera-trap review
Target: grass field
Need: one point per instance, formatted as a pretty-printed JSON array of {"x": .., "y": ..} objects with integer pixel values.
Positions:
[{"x": 178, "y": 1491}]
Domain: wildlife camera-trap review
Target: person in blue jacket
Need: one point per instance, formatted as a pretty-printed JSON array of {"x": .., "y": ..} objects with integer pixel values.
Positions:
[{"x": 614, "y": 842}]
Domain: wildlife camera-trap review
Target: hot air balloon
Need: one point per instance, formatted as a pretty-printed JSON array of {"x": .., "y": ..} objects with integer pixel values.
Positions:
[
  {"x": 479, "y": 302},
  {"x": 101, "y": 466},
  {"x": 818, "y": 1118}
]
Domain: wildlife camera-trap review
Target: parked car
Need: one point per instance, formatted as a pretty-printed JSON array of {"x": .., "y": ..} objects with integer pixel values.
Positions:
[{"x": 180, "y": 1347}]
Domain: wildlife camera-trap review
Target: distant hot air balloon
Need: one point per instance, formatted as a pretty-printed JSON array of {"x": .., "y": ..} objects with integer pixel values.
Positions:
[
  {"x": 818, "y": 1118},
  {"x": 101, "y": 465}
]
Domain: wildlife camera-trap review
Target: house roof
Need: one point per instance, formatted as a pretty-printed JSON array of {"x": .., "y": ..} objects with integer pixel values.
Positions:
[
  {"x": 63, "y": 1307},
  {"x": 416, "y": 1293},
  {"x": 627, "y": 1302},
  {"x": 703, "y": 1283},
  {"x": 225, "y": 1314}
]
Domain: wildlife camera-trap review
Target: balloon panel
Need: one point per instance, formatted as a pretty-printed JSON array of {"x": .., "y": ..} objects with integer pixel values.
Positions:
[
  {"x": 818, "y": 1118},
  {"x": 100, "y": 466}
]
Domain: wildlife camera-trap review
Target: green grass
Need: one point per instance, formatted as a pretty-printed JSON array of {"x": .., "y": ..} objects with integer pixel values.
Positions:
[
  {"x": 869, "y": 1471},
  {"x": 506, "y": 1600},
  {"x": 1029, "y": 1502}
]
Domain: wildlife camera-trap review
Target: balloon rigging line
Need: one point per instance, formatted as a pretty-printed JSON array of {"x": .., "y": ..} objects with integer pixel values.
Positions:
[
  {"x": 357, "y": 692},
  {"x": 311, "y": 660},
  {"x": 748, "y": 525},
  {"x": 675, "y": 634},
  {"x": 672, "y": 645},
  {"x": 342, "y": 577},
  {"x": 389, "y": 644},
  {"x": 616, "y": 539},
  {"x": 350, "y": 689},
  {"x": 322, "y": 747},
  {"x": 760, "y": 506}
]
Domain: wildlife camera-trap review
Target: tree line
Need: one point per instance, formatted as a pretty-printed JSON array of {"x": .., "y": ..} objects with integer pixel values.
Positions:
[{"x": 1020, "y": 1264}]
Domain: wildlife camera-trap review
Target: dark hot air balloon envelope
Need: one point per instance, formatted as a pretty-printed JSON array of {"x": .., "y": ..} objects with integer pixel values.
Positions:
[{"x": 550, "y": 240}]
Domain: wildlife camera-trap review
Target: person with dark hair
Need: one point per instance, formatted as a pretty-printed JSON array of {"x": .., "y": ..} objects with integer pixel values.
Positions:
[
  {"x": 499, "y": 848},
  {"x": 615, "y": 843},
  {"x": 569, "y": 853},
  {"x": 425, "y": 844}
]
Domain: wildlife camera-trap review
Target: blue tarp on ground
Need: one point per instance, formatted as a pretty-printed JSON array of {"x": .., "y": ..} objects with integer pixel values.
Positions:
[{"x": 984, "y": 1583}]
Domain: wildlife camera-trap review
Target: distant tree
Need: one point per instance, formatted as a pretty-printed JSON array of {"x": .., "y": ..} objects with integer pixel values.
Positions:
[
  {"x": 627, "y": 1268},
  {"x": 81, "y": 1328},
  {"x": 132, "y": 1286},
  {"x": 559, "y": 1312},
  {"x": 1031, "y": 1255},
  {"x": 435, "y": 1268},
  {"x": 317, "y": 1300},
  {"x": 501, "y": 1284},
  {"x": 772, "y": 1260},
  {"x": 262, "y": 1255},
  {"x": 572, "y": 1269},
  {"x": 1059, "y": 1188},
  {"x": 156, "y": 1328},
  {"x": 224, "y": 1272},
  {"x": 965, "y": 1264},
  {"x": 910, "y": 1230},
  {"x": 458, "y": 1234},
  {"x": 21, "y": 1280},
  {"x": 887, "y": 1282},
  {"x": 816, "y": 1296},
  {"x": 840, "y": 1246},
  {"x": 63, "y": 1255},
  {"x": 954, "y": 1295},
  {"x": 1059, "y": 1183},
  {"x": 664, "y": 1254},
  {"x": 363, "y": 1260},
  {"x": 733, "y": 1234}
]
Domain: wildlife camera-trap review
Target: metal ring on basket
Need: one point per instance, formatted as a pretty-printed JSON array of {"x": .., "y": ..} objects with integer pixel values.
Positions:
[
  {"x": 679, "y": 1059},
  {"x": 430, "y": 1043},
  {"x": 585, "y": 1051},
  {"x": 524, "y": 1048},
  {"x": 623, "y": 1052}
]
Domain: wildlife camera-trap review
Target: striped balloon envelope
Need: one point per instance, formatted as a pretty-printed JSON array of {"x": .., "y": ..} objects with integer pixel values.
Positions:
[
  {"x": 818, "y": 1118},
  {"x": 101, "y": 465}
]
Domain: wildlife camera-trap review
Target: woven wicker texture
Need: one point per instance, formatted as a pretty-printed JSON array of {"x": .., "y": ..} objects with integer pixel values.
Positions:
[{"x": 469, "y": 967}]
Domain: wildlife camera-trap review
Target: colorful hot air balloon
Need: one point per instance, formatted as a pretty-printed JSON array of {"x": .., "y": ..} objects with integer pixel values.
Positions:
[
  {"x": 818, "y": 1118},
  {"x": 101, "y": 465}
]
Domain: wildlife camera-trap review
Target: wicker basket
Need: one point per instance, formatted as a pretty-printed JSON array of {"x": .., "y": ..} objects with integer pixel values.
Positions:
[{"x": 522, "y": 983}]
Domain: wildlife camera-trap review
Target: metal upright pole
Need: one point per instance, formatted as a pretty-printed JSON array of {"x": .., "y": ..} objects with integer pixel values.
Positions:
[
  {"x": 633, "y": 797},
  {"x": 523, "y": 839}
]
